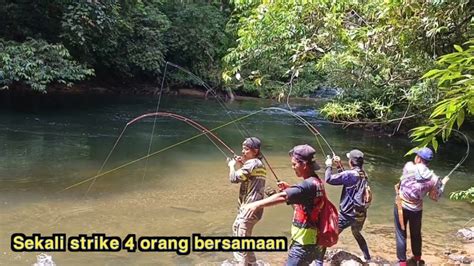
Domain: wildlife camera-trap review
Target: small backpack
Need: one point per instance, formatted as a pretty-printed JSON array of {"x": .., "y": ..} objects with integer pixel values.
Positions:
[
  {"x": 363, "y": 196},
  {"x": 328, "y": 229}
]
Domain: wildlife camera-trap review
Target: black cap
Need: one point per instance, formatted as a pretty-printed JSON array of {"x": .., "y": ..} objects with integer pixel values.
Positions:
[{"x": 304, "y": 153}]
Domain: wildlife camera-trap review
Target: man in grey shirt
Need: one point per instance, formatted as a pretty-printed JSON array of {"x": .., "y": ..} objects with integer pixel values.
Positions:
[{"x": 251, "y": 176}]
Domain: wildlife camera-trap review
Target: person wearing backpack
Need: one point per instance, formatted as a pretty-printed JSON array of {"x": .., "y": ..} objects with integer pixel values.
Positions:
[
  {"x": 355, "y": 196},
  {"x": 306, "y": 198},
  {"x": 416, "y": 181},
  {"x": 251, "y": 177}
]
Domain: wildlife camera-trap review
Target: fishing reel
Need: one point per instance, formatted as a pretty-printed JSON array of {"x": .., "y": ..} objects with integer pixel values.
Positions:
[{"x": 270, "y": 191}]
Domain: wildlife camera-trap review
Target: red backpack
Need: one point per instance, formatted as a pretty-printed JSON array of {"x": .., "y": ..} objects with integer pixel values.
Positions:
[{"x": 328, "y": 223}]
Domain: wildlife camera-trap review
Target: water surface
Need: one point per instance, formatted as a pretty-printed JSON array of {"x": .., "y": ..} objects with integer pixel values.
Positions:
[{"x": 184, "y": 190}]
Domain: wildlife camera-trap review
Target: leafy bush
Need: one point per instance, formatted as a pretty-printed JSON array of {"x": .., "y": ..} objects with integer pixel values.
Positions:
[
  {"x": 374, "y": 50},
  {"x": 342, "y": 111},
  {"x": 455, "y": 82},
  {"x": 37, "y": 64},
  {"x": 466, "y": 195}
]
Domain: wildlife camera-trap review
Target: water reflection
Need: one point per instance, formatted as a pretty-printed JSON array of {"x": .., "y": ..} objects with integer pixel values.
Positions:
[{"x": 185, "y": 189}]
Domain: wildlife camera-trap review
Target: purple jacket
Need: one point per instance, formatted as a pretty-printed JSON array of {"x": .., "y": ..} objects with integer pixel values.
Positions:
[{"x": 417, "y": 181}]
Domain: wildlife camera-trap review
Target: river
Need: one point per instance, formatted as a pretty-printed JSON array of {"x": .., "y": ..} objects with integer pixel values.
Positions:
[{"x": 185, "y": 190}]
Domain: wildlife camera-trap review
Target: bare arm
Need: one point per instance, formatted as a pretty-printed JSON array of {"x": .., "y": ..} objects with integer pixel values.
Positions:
[{"x": 274, "y": 199}]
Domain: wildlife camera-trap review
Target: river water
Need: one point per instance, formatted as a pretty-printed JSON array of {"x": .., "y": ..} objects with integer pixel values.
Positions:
[{"x": 185, "y": 190}]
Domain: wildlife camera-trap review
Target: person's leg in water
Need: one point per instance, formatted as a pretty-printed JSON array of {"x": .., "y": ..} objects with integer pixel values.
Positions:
[
  {"x": 244, "y": 227},
  {"x": 356, "y": 227}
]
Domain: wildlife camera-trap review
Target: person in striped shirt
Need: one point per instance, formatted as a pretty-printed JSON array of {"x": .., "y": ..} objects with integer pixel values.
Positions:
[{"x": 250, "y": 174}]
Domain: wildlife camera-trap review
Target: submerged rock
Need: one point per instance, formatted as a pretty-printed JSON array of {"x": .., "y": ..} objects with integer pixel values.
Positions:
[
  {"x": 44, "y": 260},
  {"x": 342, "y": 257},
  {"x": 466, "y": 234},
  {"x": 460, "y": 258}
]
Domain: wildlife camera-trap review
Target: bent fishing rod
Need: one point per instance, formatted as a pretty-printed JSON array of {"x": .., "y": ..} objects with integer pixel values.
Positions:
[
  {"x": 212, "y": 137},
  {"x": 312, "y": 129},
  {"x": 202, "y": 128},
  {"x": 159, "y": 151},
  {"x": 222, "y": 103}
]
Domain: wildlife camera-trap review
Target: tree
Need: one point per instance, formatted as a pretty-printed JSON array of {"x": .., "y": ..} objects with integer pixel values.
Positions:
[
  {"x": 37, "y": 63},
  {"x": 375, "y": 51},
  {"x": 455, "y": 79}
]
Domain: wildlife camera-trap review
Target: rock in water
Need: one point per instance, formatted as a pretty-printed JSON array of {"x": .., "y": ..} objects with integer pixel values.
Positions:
[
  {"x": 466, "y": 234},
  {"x": 44, "y": 260}
]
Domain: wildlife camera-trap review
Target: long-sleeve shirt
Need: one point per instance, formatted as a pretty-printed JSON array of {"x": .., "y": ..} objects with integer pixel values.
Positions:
[
  {"x": 417, "y": 181},
  {"x": 353, "y": 187},
  {"x": 251, "y": 177}
]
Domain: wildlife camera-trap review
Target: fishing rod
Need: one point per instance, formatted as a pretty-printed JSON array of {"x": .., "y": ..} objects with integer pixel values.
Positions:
[
  {"x": 206, "y": 131},
  {"x": 308, "y": 125},
  {"x": 165, "y": 114},
  {"x": 190, "y": 122},
  {"x": 161, "y": 150},
  {"x": 239, "y": 127}
]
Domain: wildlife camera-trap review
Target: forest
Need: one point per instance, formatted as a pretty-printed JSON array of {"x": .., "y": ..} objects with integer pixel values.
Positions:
[{"x": 390, "y": 61}]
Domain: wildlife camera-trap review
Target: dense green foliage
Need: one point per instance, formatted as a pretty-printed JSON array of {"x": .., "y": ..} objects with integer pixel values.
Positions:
[
  {"x": 117, "y": 40},
  {"x": 466, "y": 195},
  {"x": 455, "y": 79},
  {"x": 197, "y": 40},
  {"x": 456, "y": 84},
  {"x": 124, "y": 39},
  {"x": 375, "y": 51},
  {"x": 37, "y": 64}
]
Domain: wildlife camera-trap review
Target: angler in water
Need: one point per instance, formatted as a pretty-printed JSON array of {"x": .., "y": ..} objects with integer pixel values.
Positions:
[
  {"x": 416, "y": 181},
  {"x": 251, "y": 176},
  {"x": 305, "y": 197},
  {"x": 355, "y": 196}
]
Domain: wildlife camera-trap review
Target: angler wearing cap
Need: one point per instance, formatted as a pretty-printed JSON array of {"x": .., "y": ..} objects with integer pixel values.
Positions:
[
  {"x": 251, "y": 176},
  {"x": 355, "y": 196},
  {"x": 306, "y": 197},
  {"x": 416, "y": 181}
]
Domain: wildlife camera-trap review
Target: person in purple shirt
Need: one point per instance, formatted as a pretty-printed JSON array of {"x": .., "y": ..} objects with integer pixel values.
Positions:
[
  {"x": 352, "y": 206},
  {"x": 416, "y": 181}
]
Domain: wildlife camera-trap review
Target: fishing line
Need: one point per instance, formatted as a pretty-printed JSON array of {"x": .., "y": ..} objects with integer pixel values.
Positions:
[
  {"x": 161, "y": 150},
  {"x": 154, "y": 122},
  {"x": 190, "y": 122},
  {"x": 311, "y": 128},
  {"x": 214, "y": 93},
  {"x": 206, "y": 131},
  {"x": 465, "y": 155},
  {"x": 242, "y": 130},
  {"x": 123, "y": 131},
  {"x": 165, "y": 114}
]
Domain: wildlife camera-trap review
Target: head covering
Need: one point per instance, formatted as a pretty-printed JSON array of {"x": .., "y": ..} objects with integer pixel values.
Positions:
[
  {"x": 304, "y": 153},
  {"x": 252, "y": 143},
  {"x": 425, "y": 153},
  {"x": 355, "y": 155}
]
